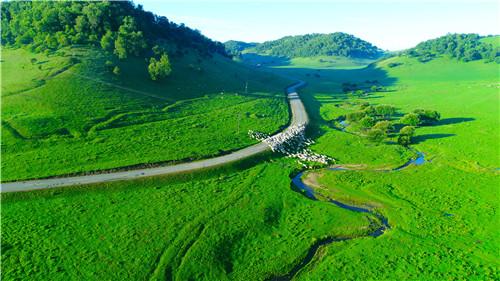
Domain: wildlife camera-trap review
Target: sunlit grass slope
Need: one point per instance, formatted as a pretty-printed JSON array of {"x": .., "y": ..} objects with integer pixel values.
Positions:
[
  {"x": 444, "y": 213},
  {"x": 220, "y": 225},
  {"x": 66, "y": 113}
]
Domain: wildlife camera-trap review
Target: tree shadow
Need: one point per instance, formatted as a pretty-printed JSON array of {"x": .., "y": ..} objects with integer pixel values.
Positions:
[
  {"x": 261, "y": 60},
  {"x": 450, "y": 121},
  {"x": 422, "y": 138}
]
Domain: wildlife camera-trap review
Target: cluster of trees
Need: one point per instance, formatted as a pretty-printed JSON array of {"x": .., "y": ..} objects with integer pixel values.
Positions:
[
  {"x": 376, "y": 122},
  {"x": 421, "y": 117},
  {"x": 334, "y": 44},
  {"x": 378, "y": 112},
  {"x": 360, "y": 90},
  {"x": 234, "y": 48},
  {"x": 373, "y": 120},
  {"x": 119, "y": 27},
  {"x": 466, "y": 47}
]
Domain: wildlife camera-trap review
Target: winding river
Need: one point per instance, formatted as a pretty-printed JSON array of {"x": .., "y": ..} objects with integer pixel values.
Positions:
[{"x": 299, "y": 186}]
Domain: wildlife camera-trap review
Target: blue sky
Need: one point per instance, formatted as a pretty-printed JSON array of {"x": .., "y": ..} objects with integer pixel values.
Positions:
[{"x": 389, "y": 24}]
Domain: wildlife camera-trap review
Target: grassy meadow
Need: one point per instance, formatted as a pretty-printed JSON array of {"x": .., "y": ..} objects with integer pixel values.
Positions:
[
  {"x": 68, "y": 114},
  {"x": 243, "y": 221},
  {"x": 226, "y": 224},
  {"x": 444, "y": 213}
]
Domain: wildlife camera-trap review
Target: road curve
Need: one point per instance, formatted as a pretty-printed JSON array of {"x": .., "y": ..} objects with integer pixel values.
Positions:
[{"x": 299, "y": 115}]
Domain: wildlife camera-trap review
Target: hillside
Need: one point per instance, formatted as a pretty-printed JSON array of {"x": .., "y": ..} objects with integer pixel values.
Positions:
[
  {"x": 465, "y": 47},
  {"x": 80, "y": 107},
  {"x": 310, "y": 45}
]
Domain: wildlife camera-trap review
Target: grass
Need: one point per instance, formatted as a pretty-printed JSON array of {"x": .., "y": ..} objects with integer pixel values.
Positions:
[
  {"x": 242, "y": 222},
  {"x": 61, "y": 118},
  {"x": 217, "y": 225},
  {"x": 444, "y": 213}
]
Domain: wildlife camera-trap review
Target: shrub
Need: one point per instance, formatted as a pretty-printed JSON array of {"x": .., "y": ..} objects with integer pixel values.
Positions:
[
  {"x": 364, "y": 105},
  {"x": 109, "y": 65},
  {"x": 116, "y": 70}
]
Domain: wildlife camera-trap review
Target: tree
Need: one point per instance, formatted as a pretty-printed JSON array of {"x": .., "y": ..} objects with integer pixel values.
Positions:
[
  {"x": 159, "y": 69},
  {"x": 367, "y": 122},
  {"x": 107, "y": 41},
  {"x": 384, "y": 125},
  {"x": 405, "y": 135},
  {"x": 370, "y": 111},
  {"x": 129, "y": 40},
  {"x": 355, "y": 116},
  {"x": 116, "y": 70},
  {"x": 411, "y": 119},
  {"x": 427, "y": 117},
  {"x": 385, "y": 110},
  {"x": 376, "y": 135}
]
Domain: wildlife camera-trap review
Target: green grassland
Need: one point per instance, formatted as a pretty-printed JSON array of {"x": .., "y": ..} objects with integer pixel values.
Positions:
[
  {"x": 243, "y": 222},
  {"x": 227, "y": 224},
  {"x": 69, "y": 114},
  {"x": 444, "y": 213}
]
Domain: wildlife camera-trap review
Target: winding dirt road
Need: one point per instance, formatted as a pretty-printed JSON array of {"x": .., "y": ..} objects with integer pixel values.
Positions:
[{"x": 299, "y": 115}]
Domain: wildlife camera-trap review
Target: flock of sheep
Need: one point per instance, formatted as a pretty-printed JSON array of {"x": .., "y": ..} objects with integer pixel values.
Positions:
[{"x": 293, "y": 143}]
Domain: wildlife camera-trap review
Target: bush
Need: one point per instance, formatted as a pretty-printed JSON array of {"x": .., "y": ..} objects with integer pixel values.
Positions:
[
  {"x": 116, "y": 70},
  {"x": 411, "y": 119},
  {"x": 109, "y": 65},
  {"x": 364, "y": 105}
]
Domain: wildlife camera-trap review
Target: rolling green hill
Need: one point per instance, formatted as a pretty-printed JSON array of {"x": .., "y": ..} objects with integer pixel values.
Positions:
[
  {"x": 466, "y": 47},
  {"x": 66, "y": 110},
  {"x": 312, "y": 45}
]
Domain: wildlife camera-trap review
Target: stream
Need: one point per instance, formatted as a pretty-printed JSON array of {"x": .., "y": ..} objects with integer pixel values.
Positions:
[{"x": 299, "y": 186}]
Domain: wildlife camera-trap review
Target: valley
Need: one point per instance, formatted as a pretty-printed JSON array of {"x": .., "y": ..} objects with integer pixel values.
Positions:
[{"x": 135, "y": 148}]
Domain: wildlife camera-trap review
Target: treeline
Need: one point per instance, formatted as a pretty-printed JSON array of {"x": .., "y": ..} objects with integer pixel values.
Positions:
[
  {"x": 465, "y": 47},
  {"x": 334, "y": 44},
  {"x": 116, "y": 26}
]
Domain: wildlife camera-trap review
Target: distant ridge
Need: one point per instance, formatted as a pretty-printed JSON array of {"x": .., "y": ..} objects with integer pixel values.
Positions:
[{"x": 309, "y": 45}]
